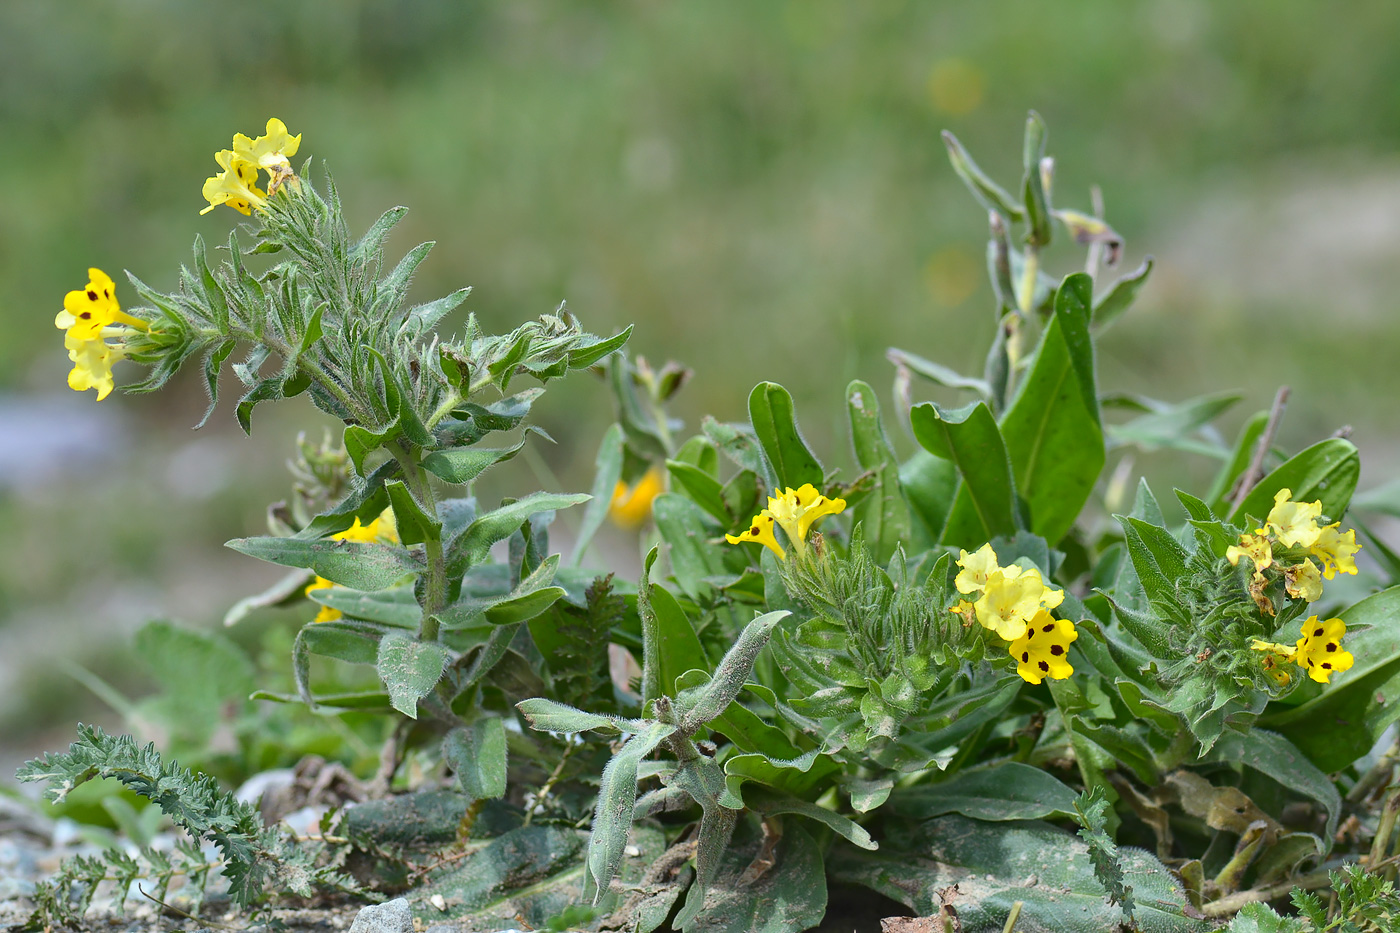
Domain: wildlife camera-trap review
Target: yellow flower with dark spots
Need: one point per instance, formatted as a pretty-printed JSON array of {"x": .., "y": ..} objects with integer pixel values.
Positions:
[
  {"x": 760, "y": 530},
  {"x": 1320, "y": 649},
  {"x": 1011, "y": 598},
  {"x": 1336, "y": 549},
  {"x": 1043, "y": 651},
  {"x": 236, "y": 185}
]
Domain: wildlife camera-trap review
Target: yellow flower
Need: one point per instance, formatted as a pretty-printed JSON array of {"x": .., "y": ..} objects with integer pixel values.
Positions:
[
  {"x": 269, "y": 152},
  {"x": 1043, "y": 650},
  {"x": 1011, "y": 598},
  {"x": 1320, "y": 649},
  {"x": 88, "y": 311},
  {"x": 236, "y": 185},
  {"x": 631, "y": 505},
  {"x": 1275, "y": 657},
  {"x": 381, "y": 529},
  {"x": 92, "y": 364},
  {"x": 796, "y": 510},
  {"x": 1295, "y": 523},
  {"x": 760, "y": 530},
  {"x": 1336, "y": 550},
  {"x": 1256, "y": 548},
  {"x": 976, "y": 567},
  {"x": 1303, "y": 581}
]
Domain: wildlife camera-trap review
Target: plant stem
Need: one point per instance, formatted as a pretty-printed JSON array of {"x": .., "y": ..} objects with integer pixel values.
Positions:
[
  {"x": 1029, "y": 273},
  {"x": 1261, "y": 449}
]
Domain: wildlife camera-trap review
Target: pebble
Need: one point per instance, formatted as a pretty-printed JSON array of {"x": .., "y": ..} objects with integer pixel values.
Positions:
[{"x": 388, "y": 917}]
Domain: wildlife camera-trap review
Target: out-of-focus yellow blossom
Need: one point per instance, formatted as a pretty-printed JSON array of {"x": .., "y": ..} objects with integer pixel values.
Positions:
[
  {"x": 1011, "y": 598},
  {"x": 92, "y": 364},
  {"x": 796, "y": 510},
  {"x": 381, "y": 529},
  {"x": 1256, "y": 547},
  {"x": 976, "y": 567},
  {"x": 1044, "y": 648},
  {"x": 1336, "y": 549},
  {"x": 1320, "y": 649},
  {"x": 631, "y": 505},
  {"x": 1303, "y": 581},
  {"x": 236, "y": 185},
  {"x": 760, "y": 530},
  {"x": 271, "y": 152},
  {"x": 1295, "y": 523}
]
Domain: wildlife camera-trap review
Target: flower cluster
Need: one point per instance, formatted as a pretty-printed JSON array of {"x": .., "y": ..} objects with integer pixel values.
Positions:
[
  {"x": 381, "y": 529},
  {"x": 237, "y": 184},
  {"x": 795, "y": 511},
  {"x": 1015, "y": 603},
  {"x": 1319, "y": 651},
  {"x": 1304, "y": 542},
  {"x": 90, "y": 317}
]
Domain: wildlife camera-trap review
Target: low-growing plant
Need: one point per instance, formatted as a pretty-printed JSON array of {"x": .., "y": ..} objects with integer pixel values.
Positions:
[{"x": 983, "y": 679}]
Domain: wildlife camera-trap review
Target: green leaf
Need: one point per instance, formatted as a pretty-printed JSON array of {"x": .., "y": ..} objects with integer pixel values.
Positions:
[
  {"x": 549, "y": 716},
  {"x": 1160, "y": 561},
  {"x": 770, "y": 801},
  {"x": 730, "y": 674},
  {"x": 587, "y": 353},
  {"x": 775, "y": 424},
  {"x": 530, "y": 597},
  {"x": 1121, "y": 296},
  {"x": 607, "y": 471},
  {"x": 1261, "y": 918},
  {"x": 200, "y": 676},
  {"x": 738, "y": 444},
  {"x": 269, "y": 389},
  {"x": 474, "y": 544},
  {"x": 362, "y": 566},
  {"x": 213, "y": 362},
  {"x": 678, "y": 647},
  {"x": 1032, "y": 187},
  {"x": 396, "y": 606},
  {"x": 1342, "y": 723},
  {"x": 929, "y": 484},
  {"x": 1170, "y": 426},
  {"x": 1236, "y": 463},
  {"x": 1273, "y": 755},
  {"x": 984, "y": 506},
  {"x": 617, "y": 799},
  {"x": 697, "y": 551},
  {"x": 787, "y": 898},
  {"x": 937, "y": 373},
  {"x": 410, "y": 669},
  {"x": 477, "y": 753},
  {"x": 1007, "y": 791},
  {"x": 701, "y": 487},
  {"x": 1045, "y": 868},
  {"x": 1052, "y": 430},
  {"x": 460, "y": 465},
  {"x": 414, "y": 525},
  {"x": 1326, "y": 471},
  {"x": 987, "y": 192},
  {"x": 345, "y": 641},
  {"x": 883, "y": 513}
]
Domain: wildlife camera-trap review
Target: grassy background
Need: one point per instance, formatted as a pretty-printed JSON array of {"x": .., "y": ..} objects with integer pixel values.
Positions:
[{"x": 758, "y": 186}]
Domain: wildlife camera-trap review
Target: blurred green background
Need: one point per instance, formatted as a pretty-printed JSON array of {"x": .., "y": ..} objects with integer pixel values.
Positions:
[{"x": 759, "y": 186}]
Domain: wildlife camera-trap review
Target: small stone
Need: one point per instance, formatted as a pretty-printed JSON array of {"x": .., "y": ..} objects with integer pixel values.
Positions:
[
  {"x": 389, "y": 917},
  {"x": 632, "y": 851},
  {"x": 438, "y": 901}
]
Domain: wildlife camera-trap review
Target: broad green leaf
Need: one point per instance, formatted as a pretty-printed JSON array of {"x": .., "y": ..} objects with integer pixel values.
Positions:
[
  {"x": 1052, "y": 430},
  {"x": 410, "y": 669},
  {"x": 1383, "y": 500},
  {"x": 929, "y": 484},
  {"x": 775, "y": 425},
  {"x": 460, "y": 465},
  {"x": 701, "y": 487},
  {"x": 529, "y": 598},
  {"x": 1045, "y": 868},
  {"x": 344, "y": 641},
  {"x": 1121, "y": 296},
  {"x": 698, "y": 549},
  {"x": 477, "y": 754},
  {"x": 679, "y": 648},
  {"x": 883, "y": 514},
  {"x": 1006, "y": 791},
  {"x": 968, "y": 437},
  {"x": 362, "y": 566},
  {"x": 1275, "y": 756},
  {"x": 787, "y": 898},
  {"x": 738, "y": 444},
  {"x": 1326, "y": 471},
  {"x": 1343, "y": 722},
  {"x": 1171, "y": 426},
  {"x": 413, "y": 524},
  {"x": 795, "y": 776},
  {"x": 290, "y": 587},
  {"x": 617, "y": 798},
  {"x": 201, "y": 676},
  {"x": 474, "y": 544},
  {"x": 771, "y": 801},
  {"x": 592, "y": 349},
  {"x": 607, "y": 472},
  {"x": 550, "y": 716},
  {"x": 396, "y": 606}
]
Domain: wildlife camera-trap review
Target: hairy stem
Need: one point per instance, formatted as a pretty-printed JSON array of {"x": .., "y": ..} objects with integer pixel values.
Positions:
[{"x": 435, "y": 598}]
